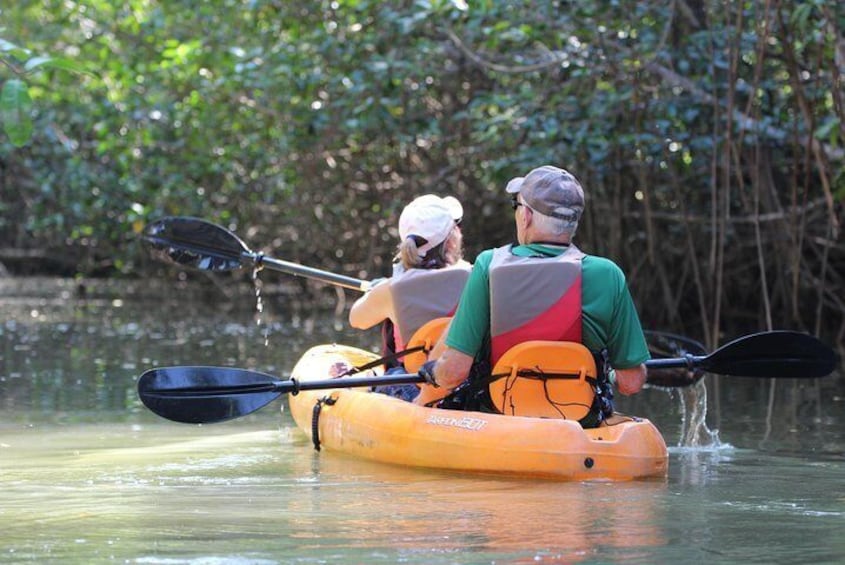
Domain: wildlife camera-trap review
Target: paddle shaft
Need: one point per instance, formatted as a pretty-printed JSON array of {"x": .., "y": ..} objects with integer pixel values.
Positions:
[
  {"x": 311, "y": 273},
  {"x": 689, "y": 362}
]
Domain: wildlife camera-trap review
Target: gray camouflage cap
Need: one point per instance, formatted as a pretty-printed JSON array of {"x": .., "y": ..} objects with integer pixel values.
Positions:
[{"x": 551, "y": 191}]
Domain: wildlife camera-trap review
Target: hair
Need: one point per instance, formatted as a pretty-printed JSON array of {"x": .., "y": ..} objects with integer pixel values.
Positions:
[
  {"x": 447, "y": 253},
  {"x": 557, "y": 227}
]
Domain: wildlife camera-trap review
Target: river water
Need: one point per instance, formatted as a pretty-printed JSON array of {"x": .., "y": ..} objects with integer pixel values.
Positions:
[{"x": 757, "y": 475}]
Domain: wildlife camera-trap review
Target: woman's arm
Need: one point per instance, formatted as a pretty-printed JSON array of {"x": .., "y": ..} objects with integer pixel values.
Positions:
[{"x": 372, "y": 308}]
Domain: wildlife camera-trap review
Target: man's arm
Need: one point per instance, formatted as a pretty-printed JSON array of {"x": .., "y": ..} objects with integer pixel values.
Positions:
[{"x": 452, "y": 368}]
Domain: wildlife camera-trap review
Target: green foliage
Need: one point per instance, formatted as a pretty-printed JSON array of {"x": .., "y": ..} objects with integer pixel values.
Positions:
[
  {"x": 15, "y": 106},
  {"x": 15, "y": 102},
  {"x": 307, "y": 126}
]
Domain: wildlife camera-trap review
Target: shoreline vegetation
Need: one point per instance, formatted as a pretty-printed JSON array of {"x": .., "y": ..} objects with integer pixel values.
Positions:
[
  {"x": 231, "y": 291},
  {"x": 708, "y": 137}
]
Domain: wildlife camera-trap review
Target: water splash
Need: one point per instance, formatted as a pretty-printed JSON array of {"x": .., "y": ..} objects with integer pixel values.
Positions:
[
  {"x": 699, "y": 452},
  {"x": 693, "y": 408},
  {"x": 693, "y": 399},
  {"x": 259, "y": 306}
]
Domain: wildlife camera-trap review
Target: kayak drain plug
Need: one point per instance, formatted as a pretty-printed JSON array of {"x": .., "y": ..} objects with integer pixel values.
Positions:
[{"x": 588, "y": 462}]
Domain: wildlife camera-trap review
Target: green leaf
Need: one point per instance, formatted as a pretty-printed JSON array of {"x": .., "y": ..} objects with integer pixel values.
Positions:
[
  {"x": 61, "y": 63},
  {"x": 15, "y": 108},
  {"x": 36, "y": 62},
  {"x": 12, "y": 49}
]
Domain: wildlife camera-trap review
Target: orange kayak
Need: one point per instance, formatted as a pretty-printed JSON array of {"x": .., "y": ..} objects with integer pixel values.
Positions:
[{"x": 382, "y": 428}]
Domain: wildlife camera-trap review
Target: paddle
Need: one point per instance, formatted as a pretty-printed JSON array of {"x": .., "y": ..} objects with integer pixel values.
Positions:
[
  {"x": 196, "y": 243},
  {"x": 199, "y": 395},
  {"x": 204, "y": 395},
  {"x": 775, "y": 354}
]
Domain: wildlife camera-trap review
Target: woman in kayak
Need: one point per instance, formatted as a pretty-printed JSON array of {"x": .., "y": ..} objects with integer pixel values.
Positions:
[{"x": 429, "y": 274}]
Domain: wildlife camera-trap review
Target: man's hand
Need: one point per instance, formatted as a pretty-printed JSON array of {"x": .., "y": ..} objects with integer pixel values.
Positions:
[
  {"x": 631, "y": 381},
  {"x": 427, "y": 372}
]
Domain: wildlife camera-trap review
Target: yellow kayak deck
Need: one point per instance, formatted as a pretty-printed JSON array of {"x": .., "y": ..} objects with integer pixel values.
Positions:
[{"x": 381, "y": 428}]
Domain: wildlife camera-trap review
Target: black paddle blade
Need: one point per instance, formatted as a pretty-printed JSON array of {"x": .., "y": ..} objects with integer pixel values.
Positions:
[
  {"x": 196, "y": 243},
  {"x": 203, "y": 395},
  {"x": 776, "y": 354}
]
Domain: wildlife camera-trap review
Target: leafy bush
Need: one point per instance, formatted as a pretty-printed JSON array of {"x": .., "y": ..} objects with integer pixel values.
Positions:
[{"x": 708, "y": 135}]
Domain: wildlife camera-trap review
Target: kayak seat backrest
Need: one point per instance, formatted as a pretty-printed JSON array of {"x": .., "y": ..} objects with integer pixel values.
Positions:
[
  {"x": 545, "y": 379},
  {"x": 425, "y": 337}
]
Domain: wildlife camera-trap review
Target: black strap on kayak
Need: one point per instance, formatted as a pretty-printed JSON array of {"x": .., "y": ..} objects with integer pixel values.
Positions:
[
  {"x": 315, "y": 419},
  {"x": 382, "y": 360},
  {"x": 474, "y": 393},
  {"x": 602, "y": 406},
  {"x": 542, "y": 375},
  {"x": 537, "y": 373}
]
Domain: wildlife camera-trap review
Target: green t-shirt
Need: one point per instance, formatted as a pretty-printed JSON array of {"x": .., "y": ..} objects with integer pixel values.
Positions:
[{"x": 608, "y": 316}]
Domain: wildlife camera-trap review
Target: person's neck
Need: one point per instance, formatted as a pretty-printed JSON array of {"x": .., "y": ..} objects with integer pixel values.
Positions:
[{"x": 547, "y": 240}]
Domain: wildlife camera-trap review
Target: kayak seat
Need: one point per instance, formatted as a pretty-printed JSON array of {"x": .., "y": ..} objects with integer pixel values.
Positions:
[
  {"x": 545, "y": 379},
  {"x": 425, "y": 338}
]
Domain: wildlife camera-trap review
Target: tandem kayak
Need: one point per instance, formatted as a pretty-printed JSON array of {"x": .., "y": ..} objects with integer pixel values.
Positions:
[{"x": 378, "y": 427}]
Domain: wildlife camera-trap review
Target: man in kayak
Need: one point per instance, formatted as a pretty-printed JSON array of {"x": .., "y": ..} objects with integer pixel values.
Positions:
[
  {"x": 429, "y": 274},
  {"x": 542, "y": 288}
]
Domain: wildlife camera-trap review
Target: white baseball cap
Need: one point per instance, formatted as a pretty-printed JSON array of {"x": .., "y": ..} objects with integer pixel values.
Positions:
[
  {"x": 450, "y": 202},
  {"x": 431, "y": 218}
]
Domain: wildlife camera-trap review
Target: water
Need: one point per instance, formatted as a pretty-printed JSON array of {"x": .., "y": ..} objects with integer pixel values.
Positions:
[{"x": 88, "y": 475}]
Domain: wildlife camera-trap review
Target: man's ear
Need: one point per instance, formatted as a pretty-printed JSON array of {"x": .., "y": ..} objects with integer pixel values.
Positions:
[{"x": 527, "y": 216}]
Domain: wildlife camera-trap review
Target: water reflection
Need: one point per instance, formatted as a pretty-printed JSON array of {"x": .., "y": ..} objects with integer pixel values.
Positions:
[
  {"x": 88, "y": 475},
  {"x": 535, "y": 519},
  {"x": 79, "y": 358},
  {"x": 160, "y": 488}
]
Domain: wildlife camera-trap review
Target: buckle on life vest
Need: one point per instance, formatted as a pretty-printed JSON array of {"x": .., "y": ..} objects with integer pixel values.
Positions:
[{"x": 545, "y": 379}]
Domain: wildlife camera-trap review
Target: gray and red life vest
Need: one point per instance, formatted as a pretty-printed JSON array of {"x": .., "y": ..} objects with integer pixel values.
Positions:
[
  {"x": 421, "y": 295},
  {"x": 534, "y": 298}
]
